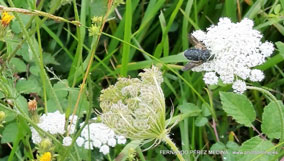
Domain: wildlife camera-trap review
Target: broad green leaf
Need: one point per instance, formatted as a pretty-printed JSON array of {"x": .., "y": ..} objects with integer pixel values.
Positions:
[
  {"x": 254, "y": 147},
  {"x": 205, "y": 109},
  {"x": 22, "y": 103},
  {"x": 201, "y": 121},
  {"x": 31, "y": 85},
  {"x": 61, "y": 88},
  {"x": 188, "y": 107},
  {"x": 18, "y": 64},
  {"x": 10, "y": 133},
  {"x": 239, "y": 107},
  {"x": 271, "y": 123},
  {"x": 35, "y": 70},
  {"x": 9, "y": 116},
  {"x": 49, "y": 59},
  {"x": 218, "y": 146}
]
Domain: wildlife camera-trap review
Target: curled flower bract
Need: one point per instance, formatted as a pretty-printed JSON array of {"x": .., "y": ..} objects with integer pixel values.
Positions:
[
  {"x": 135, "y": 108},
  {"x": 237, "y": 48}
]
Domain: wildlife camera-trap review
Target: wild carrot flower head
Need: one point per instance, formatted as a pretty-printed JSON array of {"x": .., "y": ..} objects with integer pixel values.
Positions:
[
  {"x": 53, "y": 123},
  {"x": 135, "y": 108},
  {"x": 98, "y": 135},
  {"x": 6, "y": 18},
  {"x": 237, "y": 48}
]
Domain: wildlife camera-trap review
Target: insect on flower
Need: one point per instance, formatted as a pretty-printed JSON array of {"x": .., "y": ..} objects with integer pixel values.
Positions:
[{"x": 197, "y": 55}]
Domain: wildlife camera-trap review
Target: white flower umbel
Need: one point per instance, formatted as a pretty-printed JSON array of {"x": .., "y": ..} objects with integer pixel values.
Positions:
[
  {"x": 236, "y": 48},
  {"x": 98, "y": 135},
  {"x": 67, "y": 141},
  {"x": 53, "y": 123}
]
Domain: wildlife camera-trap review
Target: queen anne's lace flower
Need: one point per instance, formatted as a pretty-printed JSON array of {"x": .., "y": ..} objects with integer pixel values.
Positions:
[
  {"x": 236, "y": 48},
  {"x": 210, "y": 78},
  {"x": 135, "y": 108},
  {"x": 239, "y": 86},
  {"x": 100, "y": 136},
  {"x": 67, "y": 141},
  {"x": 53, "y": 123}
]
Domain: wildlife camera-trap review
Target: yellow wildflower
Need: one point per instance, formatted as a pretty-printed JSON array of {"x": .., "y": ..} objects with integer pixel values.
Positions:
[
  {"x": 45, "y": 157},
  {"x": 6, "y": 19}
]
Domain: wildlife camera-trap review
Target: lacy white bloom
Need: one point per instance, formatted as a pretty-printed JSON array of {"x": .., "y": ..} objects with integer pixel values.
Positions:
[
  {"x": 236, "y": 48},
  {"x": 210, "y": 78},
  {"x": 256, "y": 75},
  {"x": 100, "y": 136},
  {"x": 104, "y": 149},
  {"x": 53, "y": 123},
  {"x": 67, "y": 141},
  {"x": 239, "y": 86}
]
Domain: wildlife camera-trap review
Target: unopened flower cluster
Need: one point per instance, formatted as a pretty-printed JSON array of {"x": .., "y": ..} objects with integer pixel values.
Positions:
[
  {"x": 53, "y": 123},
  {"x": 135, "y": 108},
  {"x": 236, "y": 48},
  {"x": 98, "y": 135}
]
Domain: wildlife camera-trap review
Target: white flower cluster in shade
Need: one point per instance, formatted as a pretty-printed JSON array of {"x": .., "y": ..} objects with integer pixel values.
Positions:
[
  {"x": 100, "y": 136},
  {"x": 53, "y": 123},
  {"x": 236, "y": 48}
]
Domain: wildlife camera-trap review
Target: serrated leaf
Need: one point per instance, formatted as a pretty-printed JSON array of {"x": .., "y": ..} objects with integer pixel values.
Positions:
[
  {"x": 31, "y": 85},
  {"x": 232, "y": 145},
  {"x": 271, "y": 123},
  {"x": 35, "y": 70},
  {"x": 61, "y": 88},
  {"x": 201, "y": 121},
  {"x": 239, "y": 107},
  {"x": 18, "y": 65},
  {"x": 218, "y": 146},
  {"x": 10, "y": 133},
  {"x": 49, "y": 59},
  {"x": 254, "y": 147}
]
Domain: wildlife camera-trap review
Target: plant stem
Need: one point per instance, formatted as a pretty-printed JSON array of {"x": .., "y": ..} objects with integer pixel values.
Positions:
[
  {"x": 279, "y": 108},
  {"x": 169, "y": 141}
]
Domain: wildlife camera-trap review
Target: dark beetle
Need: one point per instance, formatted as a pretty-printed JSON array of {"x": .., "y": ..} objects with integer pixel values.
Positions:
[{"x": 197, "y": 55}]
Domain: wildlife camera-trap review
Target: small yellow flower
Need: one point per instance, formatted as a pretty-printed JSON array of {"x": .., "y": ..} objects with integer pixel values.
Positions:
[
  {"x": 45, "y": 157},
  {"x": 6, "y": 19}
]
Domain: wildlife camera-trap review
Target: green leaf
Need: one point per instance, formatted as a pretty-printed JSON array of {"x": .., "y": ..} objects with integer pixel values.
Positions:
[
  {"x": 201, "y": 121},
  {"x": 218, "y": 146},
  {"x": 22, "y": 103},
  {"x": 49, "y": 59},
  {"x": 188, "y": 107},
  {"x": 61, "y": 88},
  {"x": 271, "y": 123},
  {"x": 10, "y": 133},
  {"x": 252, "y": 146},
  {"x": 205, "y": 109},
  {"x": 239, "y": 107},
  {"x": 31, "y": 85},
  {"x": 18, "y": 64},
  {"x": 35, "y": 70}
]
